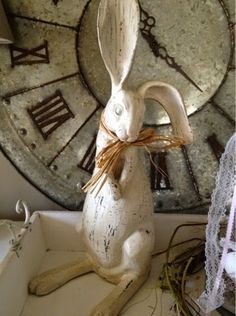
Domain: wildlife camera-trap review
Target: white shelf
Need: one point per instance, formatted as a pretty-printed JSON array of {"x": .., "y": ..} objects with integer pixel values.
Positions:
[{"x": 52, "y": 240}]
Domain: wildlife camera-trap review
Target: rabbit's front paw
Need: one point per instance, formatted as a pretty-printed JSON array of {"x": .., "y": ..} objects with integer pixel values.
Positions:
[
  {"x": 37, "y": 286},
  {"x": 45, "y": 283},
  {"x": 115, "y": 190},
  {"x": 116, "y": 196},
  {"x": 101, "y": 310}
]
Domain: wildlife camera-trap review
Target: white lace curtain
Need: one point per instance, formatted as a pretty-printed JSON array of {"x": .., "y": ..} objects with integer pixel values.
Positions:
[{"x": 223, "y": 207}]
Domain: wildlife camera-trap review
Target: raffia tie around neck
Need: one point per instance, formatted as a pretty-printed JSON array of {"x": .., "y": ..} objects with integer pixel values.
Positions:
[{"x": 108, "y": 159}]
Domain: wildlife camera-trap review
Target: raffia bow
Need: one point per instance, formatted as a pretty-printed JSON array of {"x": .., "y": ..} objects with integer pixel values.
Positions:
[{"x": 108, "y": 159}]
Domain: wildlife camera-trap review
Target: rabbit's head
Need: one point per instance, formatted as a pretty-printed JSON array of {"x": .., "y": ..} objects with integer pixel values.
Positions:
[
  {"x": 124, "y": 114},
  {"x": 118, "y": 26}
]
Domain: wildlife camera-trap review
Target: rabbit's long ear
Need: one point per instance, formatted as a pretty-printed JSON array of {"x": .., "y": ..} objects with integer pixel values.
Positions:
[
  {"x": 171, "y": 100},
  {"x": 117, "y": 26}
]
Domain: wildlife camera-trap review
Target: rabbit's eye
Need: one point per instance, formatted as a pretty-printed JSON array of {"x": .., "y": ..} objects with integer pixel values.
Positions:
[{"x": 118, "y": 110}]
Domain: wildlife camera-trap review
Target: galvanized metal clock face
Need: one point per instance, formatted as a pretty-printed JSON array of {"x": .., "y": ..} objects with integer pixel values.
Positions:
[{"x": 54, "y": 86}]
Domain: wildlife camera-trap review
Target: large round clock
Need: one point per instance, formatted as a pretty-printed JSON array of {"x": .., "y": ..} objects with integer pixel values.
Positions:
[{"x": 54, "y": 86}]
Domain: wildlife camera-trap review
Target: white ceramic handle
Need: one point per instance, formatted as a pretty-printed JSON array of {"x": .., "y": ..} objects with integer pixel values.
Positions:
[{"x": 21, "y": 206}]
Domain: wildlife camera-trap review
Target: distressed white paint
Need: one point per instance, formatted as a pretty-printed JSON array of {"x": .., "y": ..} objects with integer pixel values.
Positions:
[{"x": 118, "y": 226}]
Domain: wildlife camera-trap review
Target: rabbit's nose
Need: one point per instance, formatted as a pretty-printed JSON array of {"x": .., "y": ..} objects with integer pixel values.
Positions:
[
  {"x": 132, "y": 139},
  {"x": 132, "y": 135}
]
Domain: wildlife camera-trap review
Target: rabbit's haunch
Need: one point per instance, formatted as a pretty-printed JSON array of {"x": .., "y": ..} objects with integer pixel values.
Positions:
[{"x": 108, "y": 159}]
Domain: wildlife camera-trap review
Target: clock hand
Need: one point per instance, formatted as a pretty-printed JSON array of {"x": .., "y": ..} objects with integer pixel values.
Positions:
[
  {"x": 159, "y": 50},
  {"x": 33, "y": 19}
]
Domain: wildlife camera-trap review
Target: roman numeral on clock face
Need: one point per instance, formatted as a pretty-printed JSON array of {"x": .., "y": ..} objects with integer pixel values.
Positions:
[
  {"x": 159, "y": 178},
  {"x": 25, "y": 56},
  {"x": 49, "y": 114},
  {"x": 88, "y": 161},
  {"x": 216, "y": 147}
]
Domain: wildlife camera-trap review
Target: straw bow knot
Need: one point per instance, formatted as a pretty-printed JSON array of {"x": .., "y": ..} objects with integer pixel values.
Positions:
[{"x": 108, "y": 158}]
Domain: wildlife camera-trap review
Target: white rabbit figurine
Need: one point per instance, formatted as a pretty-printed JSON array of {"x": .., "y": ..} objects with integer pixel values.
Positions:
[{"x": 118, "y": 221}]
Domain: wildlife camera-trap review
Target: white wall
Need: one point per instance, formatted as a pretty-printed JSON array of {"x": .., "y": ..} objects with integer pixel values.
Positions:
[{"x": 13, "y": 187}]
